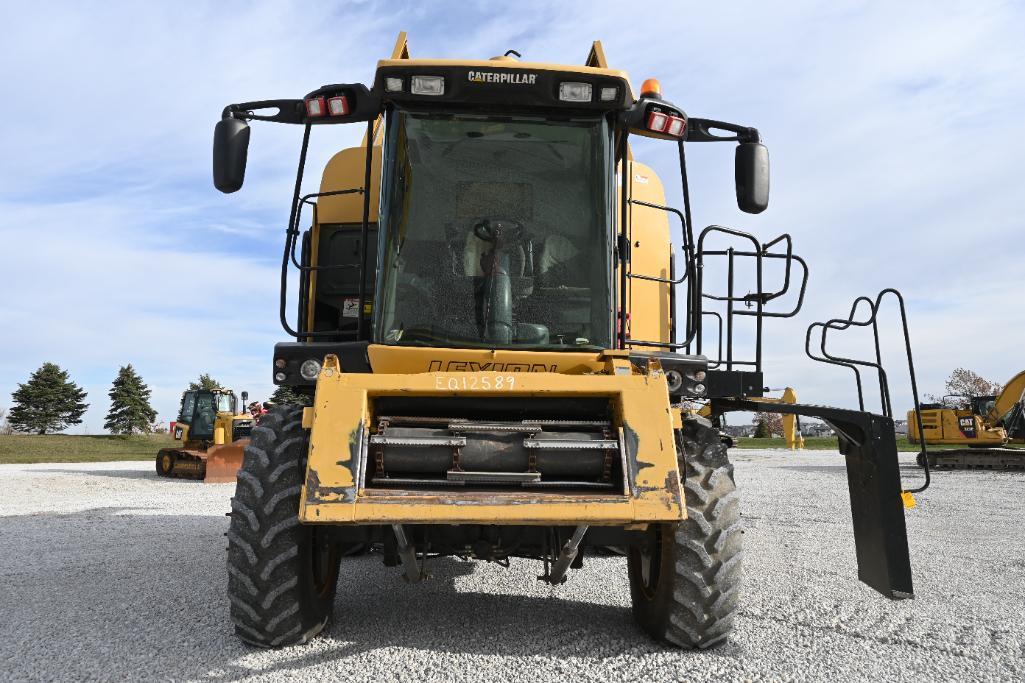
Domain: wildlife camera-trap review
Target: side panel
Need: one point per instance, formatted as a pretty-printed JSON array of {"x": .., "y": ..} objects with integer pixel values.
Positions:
[
  {"x": 649, "y": 255},
  {"x": 411, "y": 360},
  {"x": 345, "y": 171}
]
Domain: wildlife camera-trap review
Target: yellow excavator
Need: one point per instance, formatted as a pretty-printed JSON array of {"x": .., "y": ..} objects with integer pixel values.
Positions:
[
  {"x": 983, "y": 428},
  {"x": 213, "y": 434}
]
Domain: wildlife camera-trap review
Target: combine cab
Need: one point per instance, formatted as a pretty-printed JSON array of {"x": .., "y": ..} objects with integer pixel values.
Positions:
[{"x": 499, "y": 341}]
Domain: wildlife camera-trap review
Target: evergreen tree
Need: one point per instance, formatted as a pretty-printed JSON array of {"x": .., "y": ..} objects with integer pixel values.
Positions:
[
  {"x": 130, "y": 410},
  {"x": 48, "y": 402},
  {"x": 205, "y": 383},
  {"x": 287, "y": 396}
]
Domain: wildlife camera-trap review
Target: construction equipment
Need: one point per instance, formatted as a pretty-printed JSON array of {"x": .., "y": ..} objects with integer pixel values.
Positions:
[
  {"x": 983, "y": 427},
  {"x": 487, "y": 327},
  {"x": 213, "y": 435},
  {"x": 791, "y": 426}
]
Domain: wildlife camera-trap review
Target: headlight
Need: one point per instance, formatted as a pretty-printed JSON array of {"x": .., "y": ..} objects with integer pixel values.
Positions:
[
  {"x": 675, "y": 380},
  {"x": 310, "y": 369},
  {"x": 575, "y": 92},
  {"x": 427, "y": 85}
]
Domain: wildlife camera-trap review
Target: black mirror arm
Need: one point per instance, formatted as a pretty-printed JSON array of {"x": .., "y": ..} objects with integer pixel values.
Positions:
[
  {"x": 700, "y": 130},
  {"x": 289, "y": 111}
]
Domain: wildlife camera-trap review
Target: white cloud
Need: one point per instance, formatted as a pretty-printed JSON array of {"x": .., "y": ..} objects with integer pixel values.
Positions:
[{"x": 893, "y": 130}]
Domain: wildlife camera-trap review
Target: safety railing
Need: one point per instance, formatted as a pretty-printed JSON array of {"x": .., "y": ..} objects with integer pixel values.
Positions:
[
  {"x": 819, "y": 331},
  {"x": 755, "y": 303}
]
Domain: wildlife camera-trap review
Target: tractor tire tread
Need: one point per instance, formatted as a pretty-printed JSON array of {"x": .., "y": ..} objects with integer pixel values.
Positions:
[{"x": 268, "y": 584}]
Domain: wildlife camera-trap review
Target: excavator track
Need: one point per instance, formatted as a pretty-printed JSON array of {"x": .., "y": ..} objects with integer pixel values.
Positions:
[{"x": 977, "y": 459}]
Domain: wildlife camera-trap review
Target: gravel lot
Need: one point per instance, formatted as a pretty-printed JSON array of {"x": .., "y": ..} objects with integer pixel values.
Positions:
[{"x": 110, "y": 573}]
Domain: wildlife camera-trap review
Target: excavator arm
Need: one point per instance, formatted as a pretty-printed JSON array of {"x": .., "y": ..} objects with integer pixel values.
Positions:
[{"x": 1011, "y": 395}]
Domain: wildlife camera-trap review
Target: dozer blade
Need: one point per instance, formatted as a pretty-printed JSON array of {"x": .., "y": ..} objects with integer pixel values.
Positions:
[{"x": 224, "y": 462}]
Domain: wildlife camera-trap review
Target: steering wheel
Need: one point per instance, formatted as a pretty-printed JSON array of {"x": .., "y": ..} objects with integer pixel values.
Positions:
[{"x": 503, "y": 230}]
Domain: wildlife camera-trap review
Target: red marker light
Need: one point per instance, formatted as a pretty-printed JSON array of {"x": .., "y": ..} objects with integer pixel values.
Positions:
[
  {"x": 676, "y": 126},
  {"x": 315, "y": 107},
  {"x": 657, "y": 122},
  {"x": 338, "y": 106}
]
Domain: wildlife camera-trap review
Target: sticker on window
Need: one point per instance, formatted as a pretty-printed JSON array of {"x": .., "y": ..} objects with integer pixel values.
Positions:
[{"x": 350, "y": 308}]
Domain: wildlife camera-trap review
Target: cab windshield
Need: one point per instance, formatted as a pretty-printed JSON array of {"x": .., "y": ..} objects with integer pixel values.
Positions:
[
  {"x": 226, "y": 403},
  {"x": 495, "y": 232}
]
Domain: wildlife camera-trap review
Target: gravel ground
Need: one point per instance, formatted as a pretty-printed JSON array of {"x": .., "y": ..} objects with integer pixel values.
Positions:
[{"x": 110, "y": 573}]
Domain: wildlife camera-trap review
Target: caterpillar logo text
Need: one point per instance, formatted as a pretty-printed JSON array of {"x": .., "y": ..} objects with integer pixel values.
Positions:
[
  {"x": 501, "y": 77},
  {"x": 471, "y": 366}
]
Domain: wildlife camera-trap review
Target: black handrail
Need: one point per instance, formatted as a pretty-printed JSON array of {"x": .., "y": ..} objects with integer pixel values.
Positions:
[
  {"x": 760, "y": 298},
  {"x": 853, "y": 363}
]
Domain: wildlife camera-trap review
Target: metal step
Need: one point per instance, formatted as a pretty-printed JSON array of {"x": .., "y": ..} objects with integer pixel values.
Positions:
[
  {"x": 453, "y": 441},
  {"x": 493, "y": 477},
  {"x": 572, "y": 444}
]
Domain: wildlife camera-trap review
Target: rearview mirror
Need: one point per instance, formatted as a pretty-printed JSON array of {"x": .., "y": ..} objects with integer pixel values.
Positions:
[
  {"x": 231, "y": 147},
  {"x": 752, "y": 177}
]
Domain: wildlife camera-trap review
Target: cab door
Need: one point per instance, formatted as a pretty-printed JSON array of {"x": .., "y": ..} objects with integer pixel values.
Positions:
[
  {"x": 188, "y": 407},
  {"x": 203, "y": 417}
]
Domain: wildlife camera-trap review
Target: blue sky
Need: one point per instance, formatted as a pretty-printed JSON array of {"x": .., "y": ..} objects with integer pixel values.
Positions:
[{"x": 894, "y": 131}]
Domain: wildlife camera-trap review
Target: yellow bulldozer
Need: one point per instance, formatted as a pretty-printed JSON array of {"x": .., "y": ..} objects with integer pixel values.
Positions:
[
  {"x": 498, "y": 336},
  {"x": 213, "y": 433},
  {"x": 983, "y": 426}
]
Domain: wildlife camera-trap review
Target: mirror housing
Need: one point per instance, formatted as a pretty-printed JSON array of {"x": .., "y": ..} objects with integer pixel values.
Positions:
[
  {"x": 752, "y": 177},
  {"x": 231, "y": 149}
]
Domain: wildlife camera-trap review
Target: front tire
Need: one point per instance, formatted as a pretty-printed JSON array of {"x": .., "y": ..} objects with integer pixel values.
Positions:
[
  {"x": 281, "y": 574},
  {"x": 685, "y": 581},
  {"x": 165, "y": 462}
]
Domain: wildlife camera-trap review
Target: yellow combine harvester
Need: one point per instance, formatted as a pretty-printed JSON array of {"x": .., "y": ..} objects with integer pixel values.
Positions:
[
  {"x": 213, "y": 435},
  {"x": 487, "y": 326},
  {"x": 982, "y": 429}
]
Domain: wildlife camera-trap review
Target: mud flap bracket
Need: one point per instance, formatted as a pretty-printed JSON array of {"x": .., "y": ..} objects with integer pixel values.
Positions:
[{"x": 869, "y": 445}]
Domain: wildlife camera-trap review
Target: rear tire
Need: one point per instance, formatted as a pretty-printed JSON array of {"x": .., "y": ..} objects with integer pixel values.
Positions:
[
  {"x": 281, "y": 574},
  {"x": 685, "y": 582}
]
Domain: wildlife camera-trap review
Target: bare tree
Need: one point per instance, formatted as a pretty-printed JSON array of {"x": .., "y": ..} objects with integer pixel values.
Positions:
[
  {"x": 964, "y": 384},
  {"x": 768, "y": 424},
  {"x": 6, "y": 428}
]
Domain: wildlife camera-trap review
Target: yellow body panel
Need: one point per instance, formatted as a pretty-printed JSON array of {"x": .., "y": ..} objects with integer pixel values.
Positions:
[
  {"x": 411, "y": 359},
  {"x": 650, "y": 247},
  {"x": 954, "y": 427},
  {"x": 346, "y": 170},
  {"x": 962, "y": 427},
  {"x": 343, "y": 409}
]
